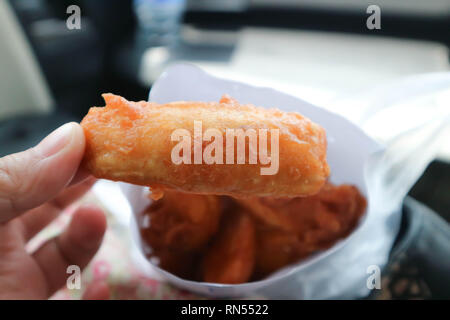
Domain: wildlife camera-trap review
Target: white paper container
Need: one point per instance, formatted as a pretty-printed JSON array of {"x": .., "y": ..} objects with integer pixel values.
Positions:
[{"x": 354, "y": 158}]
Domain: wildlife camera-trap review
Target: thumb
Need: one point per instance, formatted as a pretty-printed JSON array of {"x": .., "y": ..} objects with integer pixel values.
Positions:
[{"x": 30, "y": 178}]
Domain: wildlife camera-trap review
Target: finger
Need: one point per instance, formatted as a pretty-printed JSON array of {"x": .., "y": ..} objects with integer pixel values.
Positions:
[
  {"x": 30, "y": 178},
  {"x": 73, "y": 193},
  {"x": 81, "y": 175},
  {"x": 75, "y": 246},
  {"x": 37, "y": 219},
  {"x": 97, "y": 291}
]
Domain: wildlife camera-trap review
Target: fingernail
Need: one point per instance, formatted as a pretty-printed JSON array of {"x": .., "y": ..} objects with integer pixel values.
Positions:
[{"x": 56, "y": 141}]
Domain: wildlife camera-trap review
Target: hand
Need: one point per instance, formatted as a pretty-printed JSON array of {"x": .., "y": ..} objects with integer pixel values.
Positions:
[{"x": 35, "y": 186}]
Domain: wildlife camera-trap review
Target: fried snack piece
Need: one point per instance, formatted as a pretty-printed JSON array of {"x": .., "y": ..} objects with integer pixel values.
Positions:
[
  {"x": 276, "y": 249},
  {"x": 269, "y": 211},
  {"x": 230, "y": 259},
  {"x": 291, "y": 229},
  {"x": 333, "y": 208},
  {"x": 131, "y": 141},
  {"x": 178, "y": 262},
  {"x": 181, "y": 221}
]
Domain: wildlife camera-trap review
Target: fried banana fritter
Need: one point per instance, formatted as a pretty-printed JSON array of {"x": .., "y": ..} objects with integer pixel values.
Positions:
[
  {"x": 225, "y": 240},
  {"x": 231, "y": 257},
  {"x": 181, "y": 221},
  {"x": 299, "y": 227},
  {"x": 132, "y": 142}
]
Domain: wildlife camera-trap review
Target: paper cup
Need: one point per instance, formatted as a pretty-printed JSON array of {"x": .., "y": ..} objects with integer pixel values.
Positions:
[{"x": 338, "y": 272}]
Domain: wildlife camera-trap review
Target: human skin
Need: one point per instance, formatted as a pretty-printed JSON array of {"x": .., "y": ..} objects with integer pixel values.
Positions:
[
  {"x": 35, "y": 186},
  {"x": 133, "y": 142}
]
